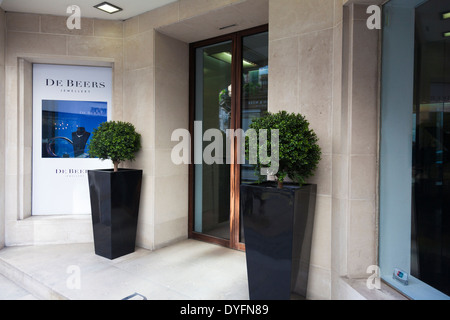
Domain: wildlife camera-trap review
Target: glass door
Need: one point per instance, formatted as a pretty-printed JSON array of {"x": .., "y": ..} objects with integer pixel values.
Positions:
[
  {"x": 228, "y": 90},
  {"x": 213, "y": 104}
]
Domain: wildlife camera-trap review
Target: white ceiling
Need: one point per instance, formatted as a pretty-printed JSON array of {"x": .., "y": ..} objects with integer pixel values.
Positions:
[{"x": 130, "y": 8}]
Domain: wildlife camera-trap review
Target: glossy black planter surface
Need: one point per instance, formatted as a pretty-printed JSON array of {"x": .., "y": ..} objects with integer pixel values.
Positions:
[
  {"x": 115, "y": 200},
  {"x": 278, "y": 226}
]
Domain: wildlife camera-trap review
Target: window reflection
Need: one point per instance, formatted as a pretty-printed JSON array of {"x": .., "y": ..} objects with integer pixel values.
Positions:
[
  {"x": 254, "y": 88},
  {"x": 255, "y": 66}
]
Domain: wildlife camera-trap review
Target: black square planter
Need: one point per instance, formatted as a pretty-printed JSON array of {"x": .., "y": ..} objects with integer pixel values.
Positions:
[
  {"x": 115, "y": 198},
  {"x": 278, "y": 226}
]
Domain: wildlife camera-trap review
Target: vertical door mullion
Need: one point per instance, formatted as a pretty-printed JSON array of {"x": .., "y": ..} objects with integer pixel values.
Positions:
[
  {"x": 234, "y": 115},
  {"x": 237, "y": 167}
]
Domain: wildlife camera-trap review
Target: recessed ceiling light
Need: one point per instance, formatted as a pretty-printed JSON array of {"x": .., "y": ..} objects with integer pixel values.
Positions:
[
  {"x": 446, "y": 15},
  {"x": 228, "y": 57},
  {"x": 108, "y": 7},
  {"x": 447, "y": 34}
]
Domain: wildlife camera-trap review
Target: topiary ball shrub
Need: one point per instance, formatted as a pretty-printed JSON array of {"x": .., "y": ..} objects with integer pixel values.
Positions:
[
  {"x": 115, "y": 140},
  {"x": 299, "y": 152}
]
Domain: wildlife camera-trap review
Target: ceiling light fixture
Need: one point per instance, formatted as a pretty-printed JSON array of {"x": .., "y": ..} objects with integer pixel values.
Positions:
[
  {"x": 228, "y": 57},
  {"x": 108, "y": 7},
  {"x": 446, "y": 15},
  {"x": 447, "y": 34}
]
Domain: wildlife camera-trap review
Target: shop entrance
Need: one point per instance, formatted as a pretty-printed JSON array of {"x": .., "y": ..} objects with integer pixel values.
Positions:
[{"x": 229, "y": 85}]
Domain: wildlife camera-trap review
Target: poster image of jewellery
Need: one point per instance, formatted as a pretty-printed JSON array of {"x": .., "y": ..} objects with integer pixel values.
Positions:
[
  {"x": 69, "y": 103},
  {"x": 67, "y": 127}
]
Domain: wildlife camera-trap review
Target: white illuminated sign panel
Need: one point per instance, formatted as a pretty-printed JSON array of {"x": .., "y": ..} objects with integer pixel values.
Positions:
[{"x": 69, "y": 102}]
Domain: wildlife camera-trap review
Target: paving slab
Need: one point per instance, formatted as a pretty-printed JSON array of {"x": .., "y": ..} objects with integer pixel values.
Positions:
[{"x": 188, "y": 270}]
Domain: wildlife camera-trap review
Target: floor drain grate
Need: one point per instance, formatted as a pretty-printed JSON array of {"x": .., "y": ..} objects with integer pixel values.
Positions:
[{"x": 135, "y": 296}]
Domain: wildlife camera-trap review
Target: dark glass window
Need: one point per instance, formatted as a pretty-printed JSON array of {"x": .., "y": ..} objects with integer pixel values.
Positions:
[
  {"x": 430, "y": 255},
  {"x": 414, "y": 148}
]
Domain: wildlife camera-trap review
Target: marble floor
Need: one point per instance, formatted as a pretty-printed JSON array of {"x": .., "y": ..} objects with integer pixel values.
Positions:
[{"x": 188, "y": 270}]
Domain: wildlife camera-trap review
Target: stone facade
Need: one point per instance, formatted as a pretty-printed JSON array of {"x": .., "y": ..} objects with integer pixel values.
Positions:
[{"x": 324, "y": 63}]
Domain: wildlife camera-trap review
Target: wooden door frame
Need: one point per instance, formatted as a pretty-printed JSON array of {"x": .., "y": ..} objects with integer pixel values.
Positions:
[{"x": 235, "y": 179}]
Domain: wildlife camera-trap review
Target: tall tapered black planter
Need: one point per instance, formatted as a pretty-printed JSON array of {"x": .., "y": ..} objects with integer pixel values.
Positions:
[
  {"x": 278, "y": 227},
  {"x": 115, "y": 198}
]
